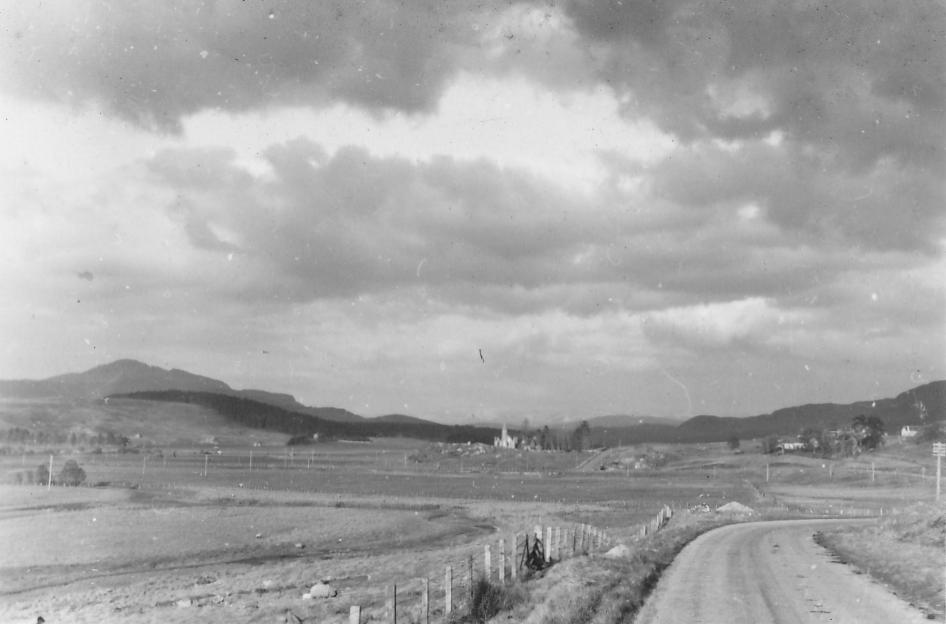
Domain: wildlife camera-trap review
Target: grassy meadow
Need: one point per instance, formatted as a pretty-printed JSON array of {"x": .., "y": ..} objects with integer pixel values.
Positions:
[
  {"x": 904, "y": 551},
  {"x": 152, "y": 537}
]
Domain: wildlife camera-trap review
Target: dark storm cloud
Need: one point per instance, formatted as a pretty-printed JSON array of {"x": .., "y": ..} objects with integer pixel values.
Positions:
[
  {"x": 863, "y": 80},
  {"x": 320, "y": 226},
  {"x": 893, "y": 206},
  {"x": 152, "y": 62},
  {"x": 354, "y": 223}
]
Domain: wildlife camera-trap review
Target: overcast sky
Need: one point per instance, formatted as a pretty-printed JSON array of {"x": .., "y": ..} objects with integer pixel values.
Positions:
[{"x": 483, "y": 210}]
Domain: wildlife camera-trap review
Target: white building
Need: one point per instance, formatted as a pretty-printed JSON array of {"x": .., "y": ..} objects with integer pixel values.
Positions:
[{"x": 504, "y": 440}]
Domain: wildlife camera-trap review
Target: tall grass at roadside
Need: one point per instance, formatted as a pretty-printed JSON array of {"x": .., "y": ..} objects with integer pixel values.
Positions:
[
  {"x": 904, "y": 551},
  {"x": 598, "y": 590},
  {"x": 488, "y": 599}
]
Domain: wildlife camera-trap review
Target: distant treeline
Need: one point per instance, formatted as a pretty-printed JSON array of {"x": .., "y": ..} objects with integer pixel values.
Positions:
[
  {"x": 923, "y": 404},
  {"x": 250, "y": 413},
  {"x": 19, "y": 435}
]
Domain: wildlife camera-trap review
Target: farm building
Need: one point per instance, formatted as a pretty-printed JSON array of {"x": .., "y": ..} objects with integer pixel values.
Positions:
[{"x": 789, "y": 447}]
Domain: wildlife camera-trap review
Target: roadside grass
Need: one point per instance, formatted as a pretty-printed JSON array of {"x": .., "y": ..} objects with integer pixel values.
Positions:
[
  {"x": 904, "y": 552},
  {"x": 602, "y": 590}
]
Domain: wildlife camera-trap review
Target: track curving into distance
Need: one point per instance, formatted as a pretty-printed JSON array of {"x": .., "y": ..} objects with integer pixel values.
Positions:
[{"x": 769, "y": 573}]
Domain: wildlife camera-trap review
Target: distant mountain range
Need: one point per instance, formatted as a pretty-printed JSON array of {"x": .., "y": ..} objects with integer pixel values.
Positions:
[
  {"x": 625, "y": 420},
  {"x": 128, "y": 376},
  {"x": 134, "y": 379},
  {"x": 924, "y": 403}
]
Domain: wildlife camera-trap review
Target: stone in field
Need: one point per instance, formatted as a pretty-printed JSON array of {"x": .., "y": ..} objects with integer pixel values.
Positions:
[
  {"x": 322, "y": 590},
  {"x": 736, "y": 508},
  {"x": 621, "y": 551}
]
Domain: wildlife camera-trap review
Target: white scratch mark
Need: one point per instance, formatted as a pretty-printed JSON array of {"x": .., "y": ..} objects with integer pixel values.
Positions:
[{"x": 686, "y": 390}]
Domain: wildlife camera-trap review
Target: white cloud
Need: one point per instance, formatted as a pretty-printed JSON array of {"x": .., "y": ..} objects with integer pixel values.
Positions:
[
  {"x": 510, "y": 122},
  {"x": 752, "y": 320}
]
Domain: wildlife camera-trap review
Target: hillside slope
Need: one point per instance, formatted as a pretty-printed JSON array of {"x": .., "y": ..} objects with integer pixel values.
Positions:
[
  {"x": 128, "y": 376},
  {"x": 257, "y": 415},
  {"x": 913, "y": 407}
]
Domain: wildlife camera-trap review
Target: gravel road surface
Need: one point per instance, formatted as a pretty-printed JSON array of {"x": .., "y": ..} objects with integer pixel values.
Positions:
[{"x": 769, "y": 573}]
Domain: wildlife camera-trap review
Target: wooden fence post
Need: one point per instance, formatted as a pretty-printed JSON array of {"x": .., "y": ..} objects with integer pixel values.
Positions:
[
  {"x": 502, "y": 561},
  {"x": 425, "y": 601},
  {"x": 548, "y": 544},
  {"x": 558, "y": 542},
  {"x": 448, "y": 590},
  {"x": 392, "y": 603},
  {"x": 514, "y": 564},
  {"x": 354, "y": 614},
  {"x": 487, "y": 562},
  {"x": 471, "y": 582}
]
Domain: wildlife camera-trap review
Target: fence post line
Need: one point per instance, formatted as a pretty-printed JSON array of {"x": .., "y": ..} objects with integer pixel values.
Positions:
[
  {"x": 502, "y": 561},
  {"x": 471, "y": 582},
  {"x": 425, "y": 601},
  {"x": 487, "y": 562},
  {"x": 354, "y": 614},
  {"x": 514, "y": 564},
  {"x": 448, "y": 590}
]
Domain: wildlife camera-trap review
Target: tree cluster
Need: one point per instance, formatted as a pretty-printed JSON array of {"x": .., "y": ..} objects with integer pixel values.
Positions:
[
  {"x": 71, "y": 474},
  {"x": 22, "y": 436},
  {"x": 273, "y": 418},
  {"x": 547, "y": 439},
  {"x": 865, "y": 433}
]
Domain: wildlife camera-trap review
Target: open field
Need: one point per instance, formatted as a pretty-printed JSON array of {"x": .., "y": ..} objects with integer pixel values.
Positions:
[
  {"x": 904, "y": 551},
  {"x": 243, "y": 544}
]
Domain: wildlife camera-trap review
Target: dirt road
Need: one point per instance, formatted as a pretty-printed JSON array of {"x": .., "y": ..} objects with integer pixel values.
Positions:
[{"x": 768, "y": 573}]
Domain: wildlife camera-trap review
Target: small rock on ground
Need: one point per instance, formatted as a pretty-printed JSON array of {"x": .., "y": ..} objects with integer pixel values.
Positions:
[
  {"x": 621, "y": 551},
  {"x": 736, "y": 508}
]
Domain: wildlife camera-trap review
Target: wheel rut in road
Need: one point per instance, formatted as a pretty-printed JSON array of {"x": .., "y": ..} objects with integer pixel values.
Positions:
[{"x": 769, "y": 573}]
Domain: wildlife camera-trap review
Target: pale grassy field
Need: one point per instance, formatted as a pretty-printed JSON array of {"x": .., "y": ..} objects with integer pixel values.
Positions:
[
  {"x": 365, "y": 515},
  {"x": 163, "y": 543}
]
